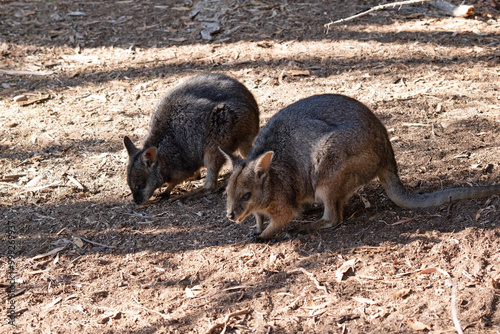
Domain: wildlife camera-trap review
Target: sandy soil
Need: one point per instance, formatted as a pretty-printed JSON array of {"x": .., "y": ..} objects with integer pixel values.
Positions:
[{"x": 90, "y": 261}]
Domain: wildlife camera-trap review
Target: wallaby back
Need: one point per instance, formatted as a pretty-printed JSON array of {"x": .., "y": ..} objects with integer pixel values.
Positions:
[
  {"x": 186, "y": 128},
  {"x": 321, "y": 149}
]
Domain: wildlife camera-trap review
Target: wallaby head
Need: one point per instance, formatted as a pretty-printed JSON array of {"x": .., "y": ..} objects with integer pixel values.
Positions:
[
  {"x": 142, "y": 171},
  {"x": 248, "y": 190}
]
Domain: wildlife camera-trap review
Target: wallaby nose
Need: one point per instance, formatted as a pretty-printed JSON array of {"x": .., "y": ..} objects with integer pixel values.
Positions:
[
  {"x": 230, "y": 215},
  {"x": 138, "y": 200}
]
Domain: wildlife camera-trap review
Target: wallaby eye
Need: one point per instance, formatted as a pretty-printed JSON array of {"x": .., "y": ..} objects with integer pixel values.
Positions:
[
  {"x": 142, "y": 186},
  {"x": 246, "y": 197}
]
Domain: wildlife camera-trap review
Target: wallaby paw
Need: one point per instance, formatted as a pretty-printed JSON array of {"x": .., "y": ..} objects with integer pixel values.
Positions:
[{"x": 163, "y": 196}]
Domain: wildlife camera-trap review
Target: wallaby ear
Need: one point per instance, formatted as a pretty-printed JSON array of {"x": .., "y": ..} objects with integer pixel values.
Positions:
[
  {"x": 131, "y": 149},
  {"x": 230, "y": 157},
  {"x": 149, "y": 156},
  {"x": 263, "y": 163}
]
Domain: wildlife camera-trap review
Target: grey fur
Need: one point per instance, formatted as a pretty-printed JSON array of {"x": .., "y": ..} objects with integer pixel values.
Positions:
[
  {"x": 321, "y": 149},
  {"x": 186, "y": 128}
]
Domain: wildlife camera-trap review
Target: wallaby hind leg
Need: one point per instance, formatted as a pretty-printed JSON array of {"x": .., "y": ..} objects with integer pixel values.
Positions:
[
  {"x": 332, "y": 212},
  {"x": 278, "y": 220},
  {"x": 214, "y": 164}
]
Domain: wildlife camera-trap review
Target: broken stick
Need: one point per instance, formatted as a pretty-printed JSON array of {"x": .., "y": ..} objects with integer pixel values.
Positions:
[
  {"x": 377, "y": 8},
  {"x": 444, "y": 6}
]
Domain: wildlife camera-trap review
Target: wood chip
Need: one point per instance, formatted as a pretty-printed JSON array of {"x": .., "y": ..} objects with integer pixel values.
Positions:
[
  {"x": 430, "y": 271},
  {"x": 344, "y": 268},
  {"x": 50, "y": 253},
  {"x": 296, "y": 73},
  {"x": 109, "y": 316},
  {"x": 54, "y": 302},
  {"x": 20, "y": 73},
  {"x": 495, "y": 284},
  {"x": 194, "y": 291},
  {"x": 75, "y": 182},
  {"x": 78, "y": 242},
  {"x": 400, "y": 293},
  {"x": 34, "y": 100},
  {"x": 11, "y": 178},
  {"x": 418, "y": 326}
]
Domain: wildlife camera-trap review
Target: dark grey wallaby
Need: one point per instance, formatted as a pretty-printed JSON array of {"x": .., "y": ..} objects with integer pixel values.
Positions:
[
  {"x": 321, "y": 149},
  {"x": 186, "y": 128}
]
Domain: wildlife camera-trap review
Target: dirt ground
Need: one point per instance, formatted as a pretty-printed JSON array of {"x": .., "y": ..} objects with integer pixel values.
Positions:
[{"x": 77, "y": 76}]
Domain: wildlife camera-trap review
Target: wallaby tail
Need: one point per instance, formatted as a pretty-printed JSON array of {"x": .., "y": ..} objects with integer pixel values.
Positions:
[{"x": 409, "y": 200}]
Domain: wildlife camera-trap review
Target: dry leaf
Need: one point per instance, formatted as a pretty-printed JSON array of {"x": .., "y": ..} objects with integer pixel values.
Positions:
[
  {"x": 34, "y": 181},
  {"x": 189, "y": 293},
  {"x": 495, "y": 284},
  {"x": 431, "y": 270},
  {"x": 426, "y": 271},
  {"x": 34, "y": 100},
  {"x": 418, "y": 326},
  {"x": 75, "y": 182},
  {"x": 194, "y": 291},
  {"x": 11, "y": 178},
  {"x": 78, "y": 242},
  {"x": 339, "y": 274},
  {"x": 113, "y": 315},
  {"x": 400, "y": 294},
  {"x": 366, "y": 203},
  {"x": 54, "y": 302},
  {"x": 20, "y": 98}
]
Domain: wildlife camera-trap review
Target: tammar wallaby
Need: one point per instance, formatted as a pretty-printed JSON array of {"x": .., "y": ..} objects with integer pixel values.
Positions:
[
  {"x": 186, "y": 128},
  {"x": 321, "y": 149}
]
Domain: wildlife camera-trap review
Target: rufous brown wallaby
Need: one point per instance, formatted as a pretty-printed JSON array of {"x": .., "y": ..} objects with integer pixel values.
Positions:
[
  {"x": 321, "y": 149},
  {"x": 186, "y": 128}
]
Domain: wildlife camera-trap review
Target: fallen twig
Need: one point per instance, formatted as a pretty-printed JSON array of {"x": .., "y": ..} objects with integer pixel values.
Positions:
[
  {"x": 20, "y": 72},
  {"x": 376, "y": 8},
  {"x": 84, "y": 239},
  {"x": 52, "y": 252},
  {"x": 226, "y": 320},
  {"x": 41, "y": 187},
  {"x": 456, "y": 322},
  {"x": 413, "y": 218}
]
